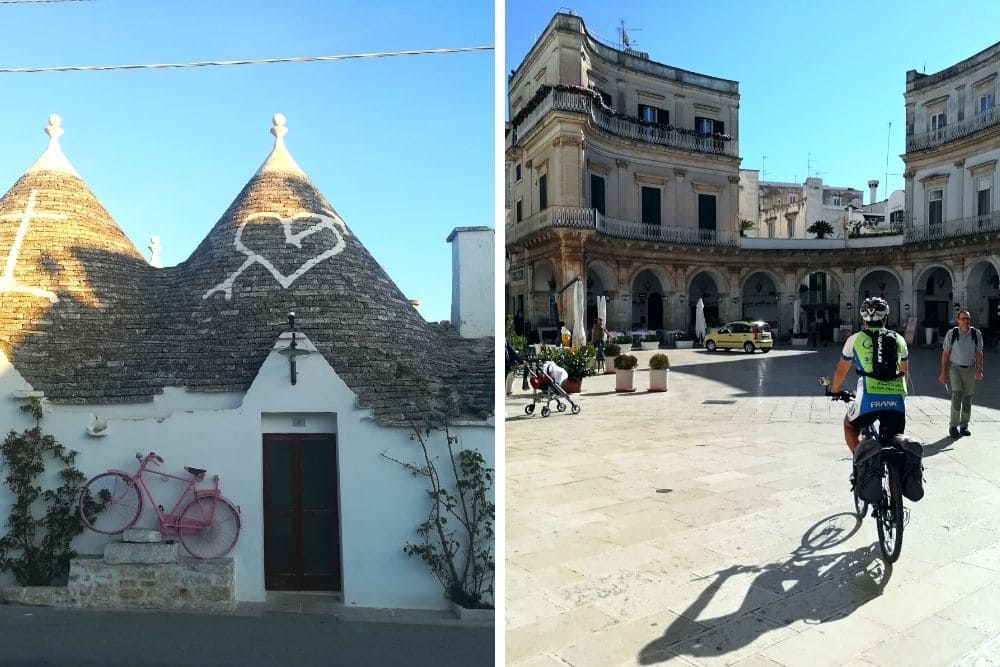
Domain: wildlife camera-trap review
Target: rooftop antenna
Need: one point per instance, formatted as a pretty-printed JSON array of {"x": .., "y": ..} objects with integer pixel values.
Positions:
[
  {"x": 887, "y": 135},
  {"x": 623, "y": 38}
]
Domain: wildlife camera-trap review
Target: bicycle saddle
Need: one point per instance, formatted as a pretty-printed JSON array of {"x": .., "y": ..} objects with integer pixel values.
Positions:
[{"x": 197, "y": 472}]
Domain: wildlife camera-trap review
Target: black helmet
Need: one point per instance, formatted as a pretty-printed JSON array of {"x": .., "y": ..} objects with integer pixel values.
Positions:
[{"x": 874, "y": 309}]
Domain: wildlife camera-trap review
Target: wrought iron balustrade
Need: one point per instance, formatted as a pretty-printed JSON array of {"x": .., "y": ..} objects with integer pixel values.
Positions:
[
  {"x": 975, "y": 224},
  {"x": 954, "y": 131}
]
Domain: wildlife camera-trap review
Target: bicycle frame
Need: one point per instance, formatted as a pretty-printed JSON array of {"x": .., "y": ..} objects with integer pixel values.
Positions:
[{"x": 169, "y": 522}]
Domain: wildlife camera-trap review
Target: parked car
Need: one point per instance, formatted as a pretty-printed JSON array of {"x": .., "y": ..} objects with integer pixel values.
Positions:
[{"x": 749, "y": 336}]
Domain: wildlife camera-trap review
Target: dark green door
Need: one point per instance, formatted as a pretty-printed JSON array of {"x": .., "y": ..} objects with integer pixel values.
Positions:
[{"x": 301, "y": 515}]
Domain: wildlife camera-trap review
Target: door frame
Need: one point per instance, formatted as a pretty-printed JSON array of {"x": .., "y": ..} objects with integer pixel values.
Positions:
[{"x": 300, "y": 581}]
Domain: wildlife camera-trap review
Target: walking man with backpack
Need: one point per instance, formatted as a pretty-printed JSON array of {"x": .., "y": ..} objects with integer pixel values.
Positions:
[
  {"x": 961, "y": 367},
  {"x": 879, "y": 356}
]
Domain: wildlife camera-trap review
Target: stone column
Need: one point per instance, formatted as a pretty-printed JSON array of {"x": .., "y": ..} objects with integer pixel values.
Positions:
[
  {"x": 960, "y": 187},
  {"x": 680, "y": 196},
  {"x": 626, "y": 204},
  {"x": 565, "y": 170}
]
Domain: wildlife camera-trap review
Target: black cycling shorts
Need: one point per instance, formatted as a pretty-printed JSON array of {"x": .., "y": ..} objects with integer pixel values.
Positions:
[{"x": 892, "y": 422}]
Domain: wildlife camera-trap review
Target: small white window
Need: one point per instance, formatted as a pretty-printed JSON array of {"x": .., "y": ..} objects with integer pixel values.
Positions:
[
  {"x": 836, "y": 200},
  {"x": 937, "y": 121},
  {"x": 985, "y": 102},
  {"x": 792, "y": 199}
]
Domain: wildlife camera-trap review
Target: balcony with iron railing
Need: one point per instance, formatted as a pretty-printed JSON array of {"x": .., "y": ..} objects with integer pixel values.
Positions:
[
  {"x": 976, "y": 224},
  {"x": 617, "y": 125},
  {"x": 962, "y": 128},
  {"x": 588, "y": 218}
]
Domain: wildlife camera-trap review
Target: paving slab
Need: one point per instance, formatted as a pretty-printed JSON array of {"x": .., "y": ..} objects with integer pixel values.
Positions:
[{"x": 713, "y": 524}]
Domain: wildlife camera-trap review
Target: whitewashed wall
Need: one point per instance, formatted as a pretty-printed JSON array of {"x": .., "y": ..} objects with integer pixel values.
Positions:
[
  {"x": 472, "y": 289},
  {"x": 380, "y": 503}
]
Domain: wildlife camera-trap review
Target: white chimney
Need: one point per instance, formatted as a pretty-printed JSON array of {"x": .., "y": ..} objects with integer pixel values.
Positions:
[
  {"x": 472, "y": 310},
  {"x": 873, "y": 188}
]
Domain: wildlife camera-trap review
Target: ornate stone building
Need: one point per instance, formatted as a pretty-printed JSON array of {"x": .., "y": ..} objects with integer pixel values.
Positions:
[{"x": 624, "y": 172}]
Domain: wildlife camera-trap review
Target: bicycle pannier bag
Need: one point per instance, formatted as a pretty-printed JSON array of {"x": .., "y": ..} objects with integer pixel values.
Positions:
[
  {"x": 868, "y": 469},
  {"x": 911, "y": 474}
]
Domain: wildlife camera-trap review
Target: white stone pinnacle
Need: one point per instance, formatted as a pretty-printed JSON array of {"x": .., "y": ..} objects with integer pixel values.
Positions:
[
  {"x": 280, "y": 160},
  {"x": 53, "y": 159}
]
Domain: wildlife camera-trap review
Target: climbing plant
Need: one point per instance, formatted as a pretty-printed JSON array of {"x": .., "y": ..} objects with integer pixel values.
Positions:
[
  {"x": 42, "y": 523},
  {"x": 457, "y": 539}
]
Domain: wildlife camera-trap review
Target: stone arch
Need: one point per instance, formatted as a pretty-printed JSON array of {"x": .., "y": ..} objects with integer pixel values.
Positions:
[
  {"x": 650, "y": 285},
  {"x": 600, "y": 282},
  {"x": 760, "y": 294},
  {"x": 982, "y": 291},
  {"x": 544, "y": 303},
  {"x": 885, "y": 282},
  {"x": 712, "y": 287},
  {"x": 820, "y": 293},
  {"x": 934, "y": 291}
]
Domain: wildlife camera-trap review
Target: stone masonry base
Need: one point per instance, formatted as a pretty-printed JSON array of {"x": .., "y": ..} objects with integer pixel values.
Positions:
[{"x": 117, "y": 581}]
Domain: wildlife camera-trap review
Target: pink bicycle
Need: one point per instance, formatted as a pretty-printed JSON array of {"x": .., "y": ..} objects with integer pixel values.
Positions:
[{"x": 208, "y": 526}]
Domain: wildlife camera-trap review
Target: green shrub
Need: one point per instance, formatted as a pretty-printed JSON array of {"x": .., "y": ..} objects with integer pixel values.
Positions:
[
  {"x": 612, "y": 350},
  {"x": 624, "y": 340},
  {"x": 659, "y": 362},
  {"x": 42, "y": 523},
  {"x": 626, "y": 362},
  {"x": 651, "y": 338}
]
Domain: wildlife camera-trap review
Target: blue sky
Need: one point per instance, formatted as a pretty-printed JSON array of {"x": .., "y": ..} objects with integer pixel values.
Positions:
[
  {"x": 820, "y": 82},
  {"x": 401, "y": 147}
]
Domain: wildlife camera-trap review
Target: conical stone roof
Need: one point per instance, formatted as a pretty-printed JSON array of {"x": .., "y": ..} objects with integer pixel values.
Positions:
[{"x": 208, "y": 323}]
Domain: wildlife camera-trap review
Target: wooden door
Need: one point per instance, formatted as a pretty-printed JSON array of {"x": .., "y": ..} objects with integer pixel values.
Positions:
[{"x": 301, "y": 514}]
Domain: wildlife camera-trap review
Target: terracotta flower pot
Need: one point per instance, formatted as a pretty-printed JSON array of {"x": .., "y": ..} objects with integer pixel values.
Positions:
[{"x": 572, "y": 386}]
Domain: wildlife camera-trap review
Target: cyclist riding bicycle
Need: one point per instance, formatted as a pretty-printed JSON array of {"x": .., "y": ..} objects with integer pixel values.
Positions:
[{"x": 880, "y": 394}]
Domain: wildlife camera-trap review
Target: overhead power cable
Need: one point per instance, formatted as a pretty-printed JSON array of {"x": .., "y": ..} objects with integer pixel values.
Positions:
[
  {"x": 229, "y": 63},
  {"x": 36, "y": 2}
]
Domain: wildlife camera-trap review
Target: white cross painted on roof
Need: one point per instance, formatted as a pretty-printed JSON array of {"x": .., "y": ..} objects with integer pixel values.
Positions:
[
  {"x": 328, "y": 221},
  {"x": 8, "y": 283}
]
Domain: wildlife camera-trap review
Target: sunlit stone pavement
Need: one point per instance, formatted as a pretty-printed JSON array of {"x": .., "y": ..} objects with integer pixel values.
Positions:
[{"x": 713, "y": 524}]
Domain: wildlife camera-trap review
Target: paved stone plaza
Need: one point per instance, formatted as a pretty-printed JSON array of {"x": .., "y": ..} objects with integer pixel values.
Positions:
[{"x": 713, "y": 524}]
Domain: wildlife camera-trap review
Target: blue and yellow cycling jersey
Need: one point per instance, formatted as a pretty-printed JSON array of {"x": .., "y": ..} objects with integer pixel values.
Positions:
[{"x": 874, "y": 394}]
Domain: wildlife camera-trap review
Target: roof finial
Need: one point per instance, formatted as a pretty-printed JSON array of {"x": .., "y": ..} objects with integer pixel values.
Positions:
[
  {"x": 54, "y": 130},
  {"x": 53, "y": 159},
  {"x": 279, "y": 160},
  {"x": 279, "y": 130}
]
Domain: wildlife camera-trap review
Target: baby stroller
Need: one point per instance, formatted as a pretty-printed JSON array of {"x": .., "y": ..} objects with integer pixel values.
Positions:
[{"x": 546, "y": 388}]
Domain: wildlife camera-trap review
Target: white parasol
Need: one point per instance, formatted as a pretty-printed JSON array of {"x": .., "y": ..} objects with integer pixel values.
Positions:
[
  {"x": 602, "y": 309},
  {"x": 796, "y": 328},
  {"x": 579, "y": 309},
  {"x": 699, "y": 319}
]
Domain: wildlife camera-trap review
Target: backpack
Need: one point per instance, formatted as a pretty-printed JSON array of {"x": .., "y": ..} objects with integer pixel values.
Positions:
[
  {"x": 868, "y": 470},
  {"x": 975, "y": 336},
  {"x": 885, "y": 356}
]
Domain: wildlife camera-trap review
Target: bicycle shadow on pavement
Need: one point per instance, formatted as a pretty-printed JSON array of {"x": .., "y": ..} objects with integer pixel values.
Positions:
[{"x": 813, "y": 587}]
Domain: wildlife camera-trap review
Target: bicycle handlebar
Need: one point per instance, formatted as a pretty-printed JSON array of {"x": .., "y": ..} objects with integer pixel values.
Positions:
[
  {"x": 842, "y": 395},
  {"x": 150, "y": 456}
]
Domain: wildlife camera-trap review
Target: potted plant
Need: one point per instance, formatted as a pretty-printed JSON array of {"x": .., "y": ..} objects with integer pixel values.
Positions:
[
  {"x": 746, "y": 226},
  {"x": 576, "y": 362},
  {"x": 625, "y": 342},
  {"x": 684, "y": 340},
  {"x": 659, "y": 367},
  {"x": 625, "y": 372},
  {"x": 610, "y": 352},
  {"x": 650, "y": 342},
  {"x": 821, "y": 228},
  {"x": 800, "y": 339}
]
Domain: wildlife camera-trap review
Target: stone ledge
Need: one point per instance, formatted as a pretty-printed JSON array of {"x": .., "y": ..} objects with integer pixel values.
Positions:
[{"x": 120, "y": 553}]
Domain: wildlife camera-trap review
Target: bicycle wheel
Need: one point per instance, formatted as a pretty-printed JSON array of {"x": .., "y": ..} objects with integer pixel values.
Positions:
[
  {"x": 209, "y": 527},
  {"x": 890, "y": 518},
  {"x": 110, "y": 503}
]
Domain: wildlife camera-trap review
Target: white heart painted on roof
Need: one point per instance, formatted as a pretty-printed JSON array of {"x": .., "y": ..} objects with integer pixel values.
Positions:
[{"x": 326, "y": 220}]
